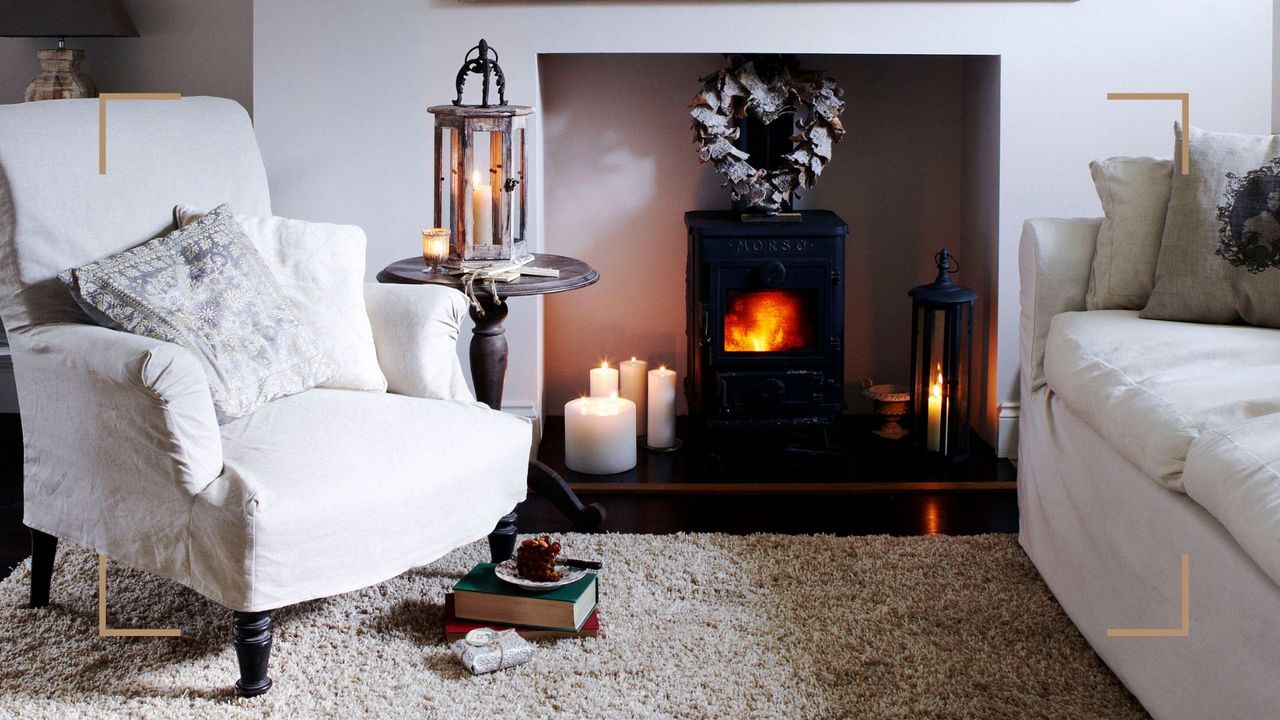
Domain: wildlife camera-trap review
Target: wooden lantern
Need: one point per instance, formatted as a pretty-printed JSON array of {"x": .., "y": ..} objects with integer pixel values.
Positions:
[
  {"x": 941, "y": 361},
  {"x": 481, "y": 161}
]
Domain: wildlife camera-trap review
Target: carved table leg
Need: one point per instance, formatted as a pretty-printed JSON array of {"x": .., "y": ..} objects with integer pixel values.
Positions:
[
  {"x": 252, "y": 634},
  {"x": 44, "y": 548},
  {"x": 489, "y": 373},
  {"x": 548, "y": 483},
  {"x": 489, "y": 352}
]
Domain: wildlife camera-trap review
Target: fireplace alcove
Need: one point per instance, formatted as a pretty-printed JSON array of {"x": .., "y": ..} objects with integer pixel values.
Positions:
[{"x": 917, "y": 170}]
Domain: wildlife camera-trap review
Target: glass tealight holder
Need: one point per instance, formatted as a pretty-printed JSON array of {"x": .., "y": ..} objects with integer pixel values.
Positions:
[{"x": 435, "y": 249}]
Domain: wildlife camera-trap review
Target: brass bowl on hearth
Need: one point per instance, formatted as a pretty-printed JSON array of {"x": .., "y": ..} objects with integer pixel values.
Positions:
[{"x": 892, "y": 403}]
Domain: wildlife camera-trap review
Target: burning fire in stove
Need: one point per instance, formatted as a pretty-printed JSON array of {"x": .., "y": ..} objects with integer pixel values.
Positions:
[{"x": 768, "y": 321}]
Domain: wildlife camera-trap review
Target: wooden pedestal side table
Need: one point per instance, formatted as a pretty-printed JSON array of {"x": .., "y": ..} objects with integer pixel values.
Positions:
[{"x": 489, "y": 358}]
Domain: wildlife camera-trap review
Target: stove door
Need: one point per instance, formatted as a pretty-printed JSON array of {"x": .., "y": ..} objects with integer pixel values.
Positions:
[{"x": 769, "y": 312}]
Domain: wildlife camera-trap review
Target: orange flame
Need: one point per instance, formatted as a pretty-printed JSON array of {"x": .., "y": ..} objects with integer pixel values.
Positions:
[{"x": 767, "y": 321}]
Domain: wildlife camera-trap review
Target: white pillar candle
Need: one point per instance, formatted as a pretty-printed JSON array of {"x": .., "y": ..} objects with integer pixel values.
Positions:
[
  {"x": 600, "y": 435},
  {"x": 662, "y": 408},
  {"x": 933, "y": 435},
  {"x": 604, "y": 380},
  {"x": 635, "y": 373},
  {"x": 481, "y": 211}
]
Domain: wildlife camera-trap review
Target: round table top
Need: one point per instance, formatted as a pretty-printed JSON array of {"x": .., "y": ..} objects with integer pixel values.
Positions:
[{"x": 574, "y": 274}]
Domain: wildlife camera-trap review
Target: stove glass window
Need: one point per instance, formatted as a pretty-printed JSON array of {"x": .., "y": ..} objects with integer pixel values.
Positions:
[{"x": 770, "y": 320}]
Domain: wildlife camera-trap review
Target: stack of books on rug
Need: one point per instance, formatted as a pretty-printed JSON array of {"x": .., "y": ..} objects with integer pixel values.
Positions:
[{"x": 482, "y": 600}]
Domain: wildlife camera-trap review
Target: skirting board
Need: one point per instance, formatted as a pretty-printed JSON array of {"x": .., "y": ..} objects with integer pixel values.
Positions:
[
  {"x": 531, "y": 412},
  {"x": 1007, "y": 437}
]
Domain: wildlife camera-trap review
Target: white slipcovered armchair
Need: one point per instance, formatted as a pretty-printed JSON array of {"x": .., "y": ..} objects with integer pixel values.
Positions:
[{"x": 312, "y": 495}]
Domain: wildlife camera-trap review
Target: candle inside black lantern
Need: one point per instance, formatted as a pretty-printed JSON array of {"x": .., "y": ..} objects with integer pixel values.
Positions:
[{"x": 941, "y": 361}]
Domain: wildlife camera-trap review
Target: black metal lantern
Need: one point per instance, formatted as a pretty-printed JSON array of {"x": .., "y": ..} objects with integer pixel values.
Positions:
[
  {"x": 481, "y": 161},
  {"x": 941, "y": 358}
]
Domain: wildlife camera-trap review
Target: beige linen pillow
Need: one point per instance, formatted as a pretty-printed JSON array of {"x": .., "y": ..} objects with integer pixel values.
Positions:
[
  {"x": 1135, "y": 197},
  {"x": 320, "y": 269},
  {"x": 1220, "y": 255}
]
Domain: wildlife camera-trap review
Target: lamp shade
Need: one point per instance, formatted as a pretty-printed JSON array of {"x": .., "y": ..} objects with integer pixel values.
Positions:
[{"x": 65, "y": 18}]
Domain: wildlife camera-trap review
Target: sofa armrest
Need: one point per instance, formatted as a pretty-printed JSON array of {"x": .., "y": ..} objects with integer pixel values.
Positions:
[
  {"x": 120, "y": 435},
  {"x": 1055, "y": 259},
  {"x": 415, "y": 331}
]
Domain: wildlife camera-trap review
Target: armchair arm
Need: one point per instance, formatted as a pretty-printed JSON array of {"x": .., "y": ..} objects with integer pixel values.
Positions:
[
  {"x": 415, "y": 331},
  {"x": 120, "y": 434},
  {"x": 1055, "y": 259}
]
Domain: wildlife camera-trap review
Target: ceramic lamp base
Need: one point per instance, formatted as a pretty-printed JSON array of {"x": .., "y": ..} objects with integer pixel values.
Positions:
[{"x": 60, "y": 77}]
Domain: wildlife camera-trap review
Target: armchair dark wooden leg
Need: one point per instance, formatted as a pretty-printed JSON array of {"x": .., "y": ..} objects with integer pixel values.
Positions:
[
  {"x": 252, "y": 633},
  {"x": 502, "y": 541},
  {"x": 43, "y": 549}
]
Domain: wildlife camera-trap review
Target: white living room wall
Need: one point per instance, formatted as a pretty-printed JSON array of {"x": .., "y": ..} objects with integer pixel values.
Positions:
[
  {"x": 341, "y": 91},
  {"x": 194, "y": 47}
]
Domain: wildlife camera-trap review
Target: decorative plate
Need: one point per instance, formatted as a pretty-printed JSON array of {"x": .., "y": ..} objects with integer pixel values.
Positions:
[{"x": 506, "y": 571}]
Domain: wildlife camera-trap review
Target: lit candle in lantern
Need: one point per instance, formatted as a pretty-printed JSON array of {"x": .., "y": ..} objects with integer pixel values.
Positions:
[
  {"x": 435, "y": 248},
  {"x": 481, "y": 211},
  {"x": 933, "y": 438},
  {"x": 661, "y": 427},
  {"x": 634, "y": 374},
  {"x": 604, "y": 380},
  {"x": 600, "y": 435}
]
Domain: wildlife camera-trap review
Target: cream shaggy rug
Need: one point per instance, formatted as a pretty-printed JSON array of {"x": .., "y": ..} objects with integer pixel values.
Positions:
[{"x": 698, "y": 626}]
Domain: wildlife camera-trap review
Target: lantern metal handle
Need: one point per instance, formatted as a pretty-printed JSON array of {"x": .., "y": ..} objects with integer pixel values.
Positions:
[
  {"x": 483, "y": 65},
  {"x": 947, "y": 264}
]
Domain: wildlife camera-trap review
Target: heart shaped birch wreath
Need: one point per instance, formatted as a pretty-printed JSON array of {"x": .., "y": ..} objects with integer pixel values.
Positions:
[{"x": 728, "y": 95}]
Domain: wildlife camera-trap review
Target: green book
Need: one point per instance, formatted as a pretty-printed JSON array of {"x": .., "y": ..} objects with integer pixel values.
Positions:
[{"x": 482, "y": 597}]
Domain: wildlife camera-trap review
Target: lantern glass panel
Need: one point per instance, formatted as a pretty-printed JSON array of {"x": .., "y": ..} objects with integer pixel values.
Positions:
[
  {"x": 515, "y": 198},
  {"x": 941, "y": 377},
  {"x": 446, "y": 176}
]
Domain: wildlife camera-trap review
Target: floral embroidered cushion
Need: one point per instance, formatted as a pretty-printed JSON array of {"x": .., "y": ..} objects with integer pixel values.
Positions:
[{"x": 205, "y": 287}]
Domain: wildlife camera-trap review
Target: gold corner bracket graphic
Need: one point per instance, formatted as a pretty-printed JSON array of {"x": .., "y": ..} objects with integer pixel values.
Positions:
[
  {"x": 1184, "y": 630},
  {"x": 103, "y": 630},
  {"x": 102, "y": 118},
  {"x": 1185, "y": 98}
]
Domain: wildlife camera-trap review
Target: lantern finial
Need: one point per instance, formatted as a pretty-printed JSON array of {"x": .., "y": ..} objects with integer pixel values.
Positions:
[
  {"x": 946, "y": 265},
  {"x": 482, "y": 64}
]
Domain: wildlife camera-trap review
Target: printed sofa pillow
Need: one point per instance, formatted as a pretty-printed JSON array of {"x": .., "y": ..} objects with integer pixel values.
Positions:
[
  {"x": 205, "y": 288},
  {"x": 1220, "y": 254}
]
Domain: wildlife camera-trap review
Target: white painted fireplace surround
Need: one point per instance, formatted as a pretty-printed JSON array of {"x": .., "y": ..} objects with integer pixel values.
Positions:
[{"x": 341, "y": 91}]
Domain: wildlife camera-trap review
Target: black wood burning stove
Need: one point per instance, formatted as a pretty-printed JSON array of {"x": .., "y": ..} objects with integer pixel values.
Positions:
[{"x": 765, "y": 321}]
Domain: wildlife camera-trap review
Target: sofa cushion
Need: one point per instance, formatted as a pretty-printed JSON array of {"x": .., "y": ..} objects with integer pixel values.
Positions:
[
  {"x": 1218, "y": 262},
  {"x": 206, "y": 288},
  {"x": 1151, "y": 387},
  {"x": 320, "y": 269},
  {"x": 1234, "y": 473},
  {"x": 1135, "y": 197},
  {"x": 334, "y": 490}
]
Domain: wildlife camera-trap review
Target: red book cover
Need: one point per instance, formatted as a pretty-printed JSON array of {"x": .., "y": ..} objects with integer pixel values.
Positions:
[{"x": 455, "y": 629}]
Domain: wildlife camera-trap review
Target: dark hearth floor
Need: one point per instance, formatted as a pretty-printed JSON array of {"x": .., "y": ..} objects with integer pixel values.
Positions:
[{"x": 872, "y": 486}]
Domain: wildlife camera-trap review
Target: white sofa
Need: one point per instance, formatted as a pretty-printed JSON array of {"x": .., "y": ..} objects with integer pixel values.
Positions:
[
  {"x": 315, "y": 494},
  {"x": 1140, "y": 441}
]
